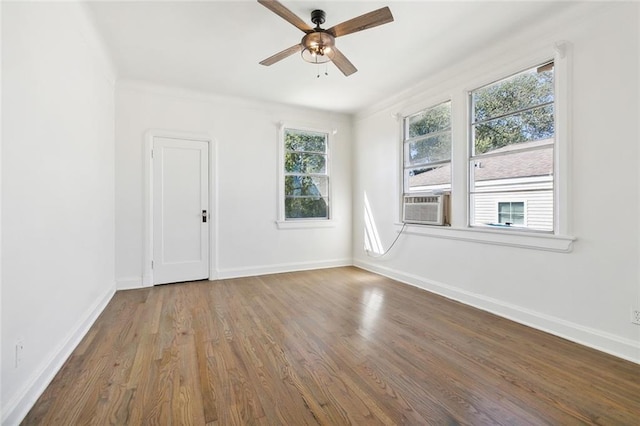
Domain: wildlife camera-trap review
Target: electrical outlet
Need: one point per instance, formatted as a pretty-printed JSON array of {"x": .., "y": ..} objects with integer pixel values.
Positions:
[
  {"x": 19, "y": 352},
  {"x": 635, "y": 316}
]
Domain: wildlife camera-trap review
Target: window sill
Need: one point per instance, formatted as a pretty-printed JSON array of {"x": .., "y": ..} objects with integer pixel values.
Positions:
[
  {"x": 305, "y": 224},
  {"x": 510, "y": 238}
]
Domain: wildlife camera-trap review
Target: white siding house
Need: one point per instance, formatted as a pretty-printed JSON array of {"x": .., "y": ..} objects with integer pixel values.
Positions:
[{"x": 524, "y": 176}]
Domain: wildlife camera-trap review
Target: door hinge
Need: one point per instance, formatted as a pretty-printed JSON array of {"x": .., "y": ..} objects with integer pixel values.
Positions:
[
  {"x": 151, "y": 153},
  {"x": 152, "y": 264}
]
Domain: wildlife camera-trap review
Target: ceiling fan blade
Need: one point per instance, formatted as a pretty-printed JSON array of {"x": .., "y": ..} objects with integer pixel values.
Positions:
[
  {"x": 281, "y": 55},
  {"x": 342, "y": 62},
  {"x": 362, "y": 22},
  {"x": 279, "y": 9}
]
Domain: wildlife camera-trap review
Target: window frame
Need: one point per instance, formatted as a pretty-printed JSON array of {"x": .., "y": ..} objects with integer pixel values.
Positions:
[
  {"x": 560, "y": 240},
  {"x": 406, "y": 140},
  {"x": 291, "y": 223},
  {"x": 474, "y": 157}
]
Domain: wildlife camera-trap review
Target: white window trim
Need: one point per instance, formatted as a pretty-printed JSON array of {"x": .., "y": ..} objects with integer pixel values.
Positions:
[
  {"x": 562, "y": 150},
  {"x": 510, "y": 238},
  {"x": 560, "y": 240},
  {"x": 281, "y": 222},
  {"x": 306, "y": 223}
]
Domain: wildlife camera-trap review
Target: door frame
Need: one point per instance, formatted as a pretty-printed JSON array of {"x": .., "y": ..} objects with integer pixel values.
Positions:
[{"x": 147, "y": 256}]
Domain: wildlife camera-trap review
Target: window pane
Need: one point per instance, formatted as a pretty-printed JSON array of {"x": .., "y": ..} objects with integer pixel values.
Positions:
[
  {"x": 295, "y": 162},
  {"x": 521, "y": 175},
  {"x": 304, "y": 208},
  {"x": 430, "y": 120},
  {"x": 298, "y": 140},
  {"x": 429, "y": 150},
  {"x": 523, "y": 165},
  {"x": 524, "y": 90},
  {"x": 429, "y": 178},
  {"x": 513, "y": 119},
  {"x": 306, "y": 186},
  {"x": 517, "y": 209},
  {"x": 531, "y": 125},
  {"x": 539, "y": 210},
  {"x": 427, "y": 140}
]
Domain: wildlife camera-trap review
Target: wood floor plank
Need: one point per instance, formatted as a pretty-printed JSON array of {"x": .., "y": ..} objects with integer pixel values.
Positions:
[{"x": 329, "y": 347}]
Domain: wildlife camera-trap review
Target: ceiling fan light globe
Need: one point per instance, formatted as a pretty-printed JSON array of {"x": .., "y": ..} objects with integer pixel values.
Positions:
[
  {"x": 315, "y": 58},
  {"x": 317, "y": 47}
]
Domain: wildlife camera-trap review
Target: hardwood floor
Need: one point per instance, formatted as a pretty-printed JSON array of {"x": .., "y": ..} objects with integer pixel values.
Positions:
[{"x": 332, "y": 347}]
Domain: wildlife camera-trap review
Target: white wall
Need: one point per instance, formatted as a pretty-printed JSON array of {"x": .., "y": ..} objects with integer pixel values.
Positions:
[
  {"x": 586, "y": 295},
  {"x": 245, "y": 192},
  {"x": 57, "y": 193}
]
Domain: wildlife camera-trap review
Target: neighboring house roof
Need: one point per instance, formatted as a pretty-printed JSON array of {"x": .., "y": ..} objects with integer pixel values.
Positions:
[
  {"x": 437, "y": 176},
  {"x": 519, "y": 164}
]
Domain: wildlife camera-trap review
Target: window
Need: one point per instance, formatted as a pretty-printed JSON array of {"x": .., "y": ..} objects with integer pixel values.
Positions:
[
  {"x": 517, "y": 151},
  {"x": 511, "y": 213},
  {"x": 427, "y": 149},
  {"x": 512, "y": 150},
  {"x": 306, "y": 175}
]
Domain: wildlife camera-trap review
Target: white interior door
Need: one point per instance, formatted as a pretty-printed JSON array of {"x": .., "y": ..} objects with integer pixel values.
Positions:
[{"x": 180, "y": 210}]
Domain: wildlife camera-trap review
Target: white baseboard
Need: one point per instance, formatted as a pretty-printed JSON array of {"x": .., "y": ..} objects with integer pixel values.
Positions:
[
  {"x": 20, "y": 404},
  {"x": 280, "y": 268},
  {"x": 129, "y": 283},
  {"x": 596, "y": 339}
]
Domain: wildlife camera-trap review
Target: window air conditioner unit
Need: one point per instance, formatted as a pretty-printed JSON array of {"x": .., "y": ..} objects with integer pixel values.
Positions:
[{"x": 425, "y": 209}]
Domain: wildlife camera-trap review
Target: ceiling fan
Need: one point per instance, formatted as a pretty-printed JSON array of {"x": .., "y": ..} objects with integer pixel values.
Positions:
[{"x": 318, "y": 45}]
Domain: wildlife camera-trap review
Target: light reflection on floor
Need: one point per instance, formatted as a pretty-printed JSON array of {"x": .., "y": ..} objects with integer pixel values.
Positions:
[{"x": 372, "y": 302}]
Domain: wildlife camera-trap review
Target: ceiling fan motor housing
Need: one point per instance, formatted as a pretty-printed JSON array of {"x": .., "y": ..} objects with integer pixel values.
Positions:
[{"x": 318, "y": 17}]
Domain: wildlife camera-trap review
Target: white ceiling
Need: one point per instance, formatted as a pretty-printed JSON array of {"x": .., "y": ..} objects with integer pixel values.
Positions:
[{"x": 215, "y": 46}]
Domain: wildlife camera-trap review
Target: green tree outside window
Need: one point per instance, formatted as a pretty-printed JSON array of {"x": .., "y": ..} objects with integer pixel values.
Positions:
[{"x": 306, "y": 180}]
